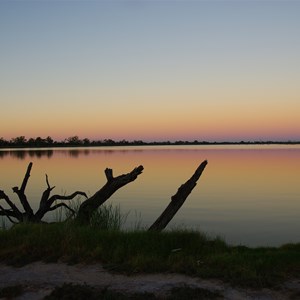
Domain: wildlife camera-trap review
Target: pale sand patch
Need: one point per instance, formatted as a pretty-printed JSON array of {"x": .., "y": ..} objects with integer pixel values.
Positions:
[{"x": 39, "y": 279}]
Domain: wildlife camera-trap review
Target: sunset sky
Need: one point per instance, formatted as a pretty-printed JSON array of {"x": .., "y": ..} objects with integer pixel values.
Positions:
[{"x": 150, "y": 70}]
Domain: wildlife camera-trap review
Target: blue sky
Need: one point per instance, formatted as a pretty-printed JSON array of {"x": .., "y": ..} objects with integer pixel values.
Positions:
[{"x": 214, "y": 70}]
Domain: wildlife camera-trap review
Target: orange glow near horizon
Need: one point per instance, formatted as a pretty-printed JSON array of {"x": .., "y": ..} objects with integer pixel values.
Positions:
[
  {"x": 165, "y": 119},
  {"x": 215, "y": 126}
]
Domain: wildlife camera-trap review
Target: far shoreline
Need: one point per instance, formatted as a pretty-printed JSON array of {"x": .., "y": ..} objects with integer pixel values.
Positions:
[{"x": 111, "y": 143}]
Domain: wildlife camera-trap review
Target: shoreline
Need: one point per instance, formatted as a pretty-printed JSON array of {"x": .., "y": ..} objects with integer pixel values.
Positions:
[{"x": 39, "y": 279}]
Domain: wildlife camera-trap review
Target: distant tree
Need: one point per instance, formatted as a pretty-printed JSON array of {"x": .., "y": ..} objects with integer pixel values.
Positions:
[
  {"x": 3, "y": 142},
  {"x": 49, "y": 140},
  {"x": 74, "y": 140},
  {"x": 31, "y": 142},
  {"x": 39, "y": 142},
  {"x": 109, "y": 142},
  {"x": 123, "y": 142},
  {"x": 86, "y": 142},
  {"x": 19, "y": 141}
]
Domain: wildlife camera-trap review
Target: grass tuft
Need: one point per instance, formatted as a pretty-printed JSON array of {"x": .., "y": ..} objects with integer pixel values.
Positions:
[{"x": 108, "y": 217}]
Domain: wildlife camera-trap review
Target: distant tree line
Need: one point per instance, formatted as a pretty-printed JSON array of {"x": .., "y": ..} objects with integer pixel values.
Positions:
[{"x": 75, "y": 141}]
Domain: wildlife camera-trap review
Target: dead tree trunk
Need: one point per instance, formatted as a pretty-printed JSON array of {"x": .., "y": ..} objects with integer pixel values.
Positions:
[
  {"x": 90, "y": 205},
  {"x": 87, "y": 208},
  {"x": 46, "y": 203},
  {"x": 177, "y": 200}
]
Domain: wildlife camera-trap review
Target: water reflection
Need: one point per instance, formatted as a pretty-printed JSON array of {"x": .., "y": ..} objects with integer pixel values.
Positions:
[
  {"x": 74, "y": 152},
  {"x": 23, "y": 154}
]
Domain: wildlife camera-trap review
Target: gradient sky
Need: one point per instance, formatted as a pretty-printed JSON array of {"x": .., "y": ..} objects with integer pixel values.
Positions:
[{"x": 150, "y": 70}]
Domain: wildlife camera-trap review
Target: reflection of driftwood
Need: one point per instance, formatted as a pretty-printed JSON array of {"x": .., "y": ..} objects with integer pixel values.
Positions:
[
  {"x": 15, "y": 215},
  {"x": 177, "y": 200},
  {"x": 87, "y": 208}
]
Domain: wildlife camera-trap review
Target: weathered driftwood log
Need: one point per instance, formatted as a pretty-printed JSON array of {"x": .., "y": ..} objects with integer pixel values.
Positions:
[
  {"x": 90, "y": 205},
  {"x": 87, "y": 208},
  {"x": 46, "y": 202},
  {"x": 177, "y": 200}
]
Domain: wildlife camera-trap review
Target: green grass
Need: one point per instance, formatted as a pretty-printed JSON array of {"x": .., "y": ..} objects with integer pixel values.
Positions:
[
  {"x": 106, "y": 217},
  {"x": 186, "y": 252}
]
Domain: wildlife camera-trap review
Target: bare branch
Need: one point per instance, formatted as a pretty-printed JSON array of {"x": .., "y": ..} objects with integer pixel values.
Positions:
[
  {"x": 48, "y": 185},
  {"x": 26, "y": 177},
  {"x": 112, "y": 185},
  {"x": 10, "y": 203},
  {"x": 8, "y": 213},
  {"x": 21, "y": 193},
  {"x": 62, "y": 205},
  {"x": 60, "y": 197},
  {"x": 45, "y": 206},
  {"x": 178, "y": 200},
  {"x": 46, "y": 193},
  {"x": 45, "y": 203},
  {"x": 47, "y": 181},
  {"x": 109, "y": 174}
]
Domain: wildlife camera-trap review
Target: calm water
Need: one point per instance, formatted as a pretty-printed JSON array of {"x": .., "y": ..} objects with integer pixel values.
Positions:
[{"x": 247, "y": 194}]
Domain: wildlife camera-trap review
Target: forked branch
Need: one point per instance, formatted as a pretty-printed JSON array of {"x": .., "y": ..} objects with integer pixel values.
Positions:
[
  {"x": 13, "y": 207},
  {"x": 62, "y": 205},
  {"x": 45, "y": 202},
  {"x": 8, "y": 213}
]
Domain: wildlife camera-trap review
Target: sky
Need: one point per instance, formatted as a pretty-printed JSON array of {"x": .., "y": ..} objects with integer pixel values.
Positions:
[{"x": 150, "y": 70}]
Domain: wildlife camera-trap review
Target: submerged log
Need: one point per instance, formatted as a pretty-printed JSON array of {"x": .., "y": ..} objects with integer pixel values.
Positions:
[{"x": 177, "y": 200}]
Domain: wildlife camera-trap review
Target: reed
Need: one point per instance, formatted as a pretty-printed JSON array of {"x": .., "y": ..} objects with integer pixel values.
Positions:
[
  {"x": 106, "y": 217},
  {"x": 3, "y": 223}
]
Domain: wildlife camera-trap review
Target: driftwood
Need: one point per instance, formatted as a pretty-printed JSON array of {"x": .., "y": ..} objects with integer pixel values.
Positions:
[
  {"x": 177, "y": 200},
  {"x": 87, "y": 208},
  {"x": 46, "y": 202},
  {"x": 90, "y": 205}
]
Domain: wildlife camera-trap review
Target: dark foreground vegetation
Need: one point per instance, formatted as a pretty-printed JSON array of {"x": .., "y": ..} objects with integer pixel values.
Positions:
[
  {"x": 75, "y": 141},
  {"x": 186, "y": 252}
]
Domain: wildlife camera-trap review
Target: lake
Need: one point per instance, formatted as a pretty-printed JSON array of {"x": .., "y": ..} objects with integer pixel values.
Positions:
[{"x": 247, "y": 194}]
